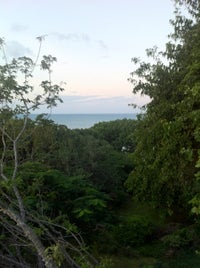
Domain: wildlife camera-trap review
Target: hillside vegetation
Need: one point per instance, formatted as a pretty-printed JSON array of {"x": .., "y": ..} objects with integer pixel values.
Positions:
[{"x": 124, "y": 193}]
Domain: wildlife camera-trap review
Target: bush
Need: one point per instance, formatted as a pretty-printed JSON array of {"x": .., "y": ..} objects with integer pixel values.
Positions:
[
  {"x": 181, "y": 238},
  {"x": 133, "y": 231}
]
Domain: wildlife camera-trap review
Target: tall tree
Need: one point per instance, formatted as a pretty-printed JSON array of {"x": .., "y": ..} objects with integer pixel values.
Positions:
[
  {"x": 30, "y": 233},
  {"x": 167, "y": 143}
]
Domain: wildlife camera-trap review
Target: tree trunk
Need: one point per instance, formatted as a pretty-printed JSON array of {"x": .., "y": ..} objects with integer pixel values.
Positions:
[{"x": 29, "y": 233}]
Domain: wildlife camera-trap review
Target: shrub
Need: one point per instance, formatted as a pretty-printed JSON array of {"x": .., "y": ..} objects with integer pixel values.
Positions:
[
  {"x": 180, "y": 238},
  {"x": 133, "y": 231}
]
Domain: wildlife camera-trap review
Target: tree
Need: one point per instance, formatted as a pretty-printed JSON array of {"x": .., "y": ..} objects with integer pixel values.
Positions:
[
  {"x": 117, "y": 133},
  {"x": 167, "y": 143},
  {"x": 29, "y": 232}
]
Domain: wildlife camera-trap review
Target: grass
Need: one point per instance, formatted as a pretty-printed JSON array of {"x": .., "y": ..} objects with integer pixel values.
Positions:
[
  {"x": 138, "y": 208},
  {"x": 187, "y": 259},
  {"x": 152, "y": 254},
  {"x": 183, "y": 260},
  {"x": 124, "y": 262}
]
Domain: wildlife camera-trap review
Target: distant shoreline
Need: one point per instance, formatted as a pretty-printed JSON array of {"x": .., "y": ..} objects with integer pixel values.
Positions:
[{"x": 82, "y": 121}]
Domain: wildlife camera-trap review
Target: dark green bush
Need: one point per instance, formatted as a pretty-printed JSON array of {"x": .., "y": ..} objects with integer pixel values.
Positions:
[
  {"x": 133, "y": 231},
  {"x": 183, "y": 237}
]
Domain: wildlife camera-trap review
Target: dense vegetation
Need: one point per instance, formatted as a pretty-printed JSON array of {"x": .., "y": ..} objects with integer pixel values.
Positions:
[
  {"x": 72, "y": 178},
  {"x": 120, "y": 194}
]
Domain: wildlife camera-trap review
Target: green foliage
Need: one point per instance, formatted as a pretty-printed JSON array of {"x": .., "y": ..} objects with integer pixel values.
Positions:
[
  {"x": 121, "y": 261},
  {"x": 79, "y": 153},
  {"x": 181, "y": 238},
  {"x": 118, "y": 133},
  {"x": 133, "y": 231},
  {"x": 195, "y": 202},
  {"x": 105, "y": 263},
  {"x": 12, "y": 89},
  {"x": 56, "y": 252},
  {"x": 185, "y": 259},
  {"x": 37, "y": 200},
  {"x": 166, "y": 136},
  {"x": 75, "y": 178},
  {"x": 53, "y": 193}
]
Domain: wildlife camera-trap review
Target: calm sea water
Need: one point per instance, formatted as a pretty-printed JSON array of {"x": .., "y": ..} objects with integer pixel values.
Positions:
[{"x": 73, "y": 121}]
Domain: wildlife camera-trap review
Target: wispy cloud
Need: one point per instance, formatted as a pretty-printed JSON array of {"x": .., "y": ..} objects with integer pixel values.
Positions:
[
  {"x": 18, "y": 27},
  {"x": 80, "y": 99},
  {"x": 94, "y": 98},
  {"x": 80, "y": 37},
  {"x": 95, "y": 104},
  {"x": 72, "y": 37},
  {"x": 15, "y": 49},
  {"x": 102, "y": 44}
]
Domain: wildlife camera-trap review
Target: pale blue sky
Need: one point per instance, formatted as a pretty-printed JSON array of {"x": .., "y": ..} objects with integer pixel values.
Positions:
[{"x": 93, "y": 40}]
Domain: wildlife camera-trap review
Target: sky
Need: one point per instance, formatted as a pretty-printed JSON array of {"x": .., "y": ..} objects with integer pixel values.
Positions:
[{"x": 93, "y": 41}]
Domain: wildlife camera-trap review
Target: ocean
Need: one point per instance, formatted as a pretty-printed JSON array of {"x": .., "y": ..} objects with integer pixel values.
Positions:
[{"x": 74, "y": 121}]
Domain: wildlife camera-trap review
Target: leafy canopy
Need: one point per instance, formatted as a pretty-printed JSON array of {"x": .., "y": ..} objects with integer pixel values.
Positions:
[{"x": 167, "y": 136}]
